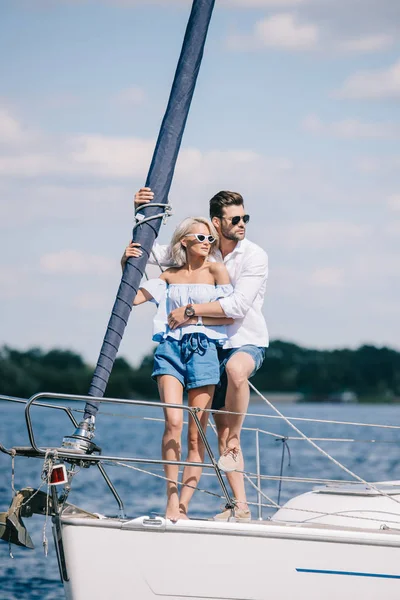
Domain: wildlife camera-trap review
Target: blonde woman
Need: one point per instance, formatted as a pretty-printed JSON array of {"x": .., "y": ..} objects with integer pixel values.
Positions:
[{"x": 186, "y": 357}]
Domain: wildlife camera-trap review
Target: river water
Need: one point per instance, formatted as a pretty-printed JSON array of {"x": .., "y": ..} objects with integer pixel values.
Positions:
[{"x": 372, "y": 453}]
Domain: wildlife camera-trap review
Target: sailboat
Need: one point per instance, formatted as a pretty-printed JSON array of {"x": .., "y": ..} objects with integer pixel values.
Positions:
[
  {"x": 337, "y": 540},
  {"x": 340, "y": 538}
]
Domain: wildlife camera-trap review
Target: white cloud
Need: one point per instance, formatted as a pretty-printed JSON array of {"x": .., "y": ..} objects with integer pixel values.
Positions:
[
  {"x": 132, "y": 96},
  {"x": 61, "y": 100},
  {"x": 377, "y": 164},
  {"x": 379, "y": 265},
  {"x": 107, "y": 156},
  {"x": 57, "y": 203},
  {"x": 91, "y": 301},
  {"x": 330, "y": 277},
  {"x": 226, "y": 3},
  {"x": 394, "y": 202},
  {"x": 393, "y": 229},
  {"x": 283, "y": 31},
  {"x": 317, "y": 235},
  {"x": 10, "y": 282},
  {"x": 71, "y": 262},
  {"x": 353, "y": 26},
  {"x": 123, "y": 158},
  {"x": 370, "y": 43},
  {"x": 12, "y": 131},
  {"x": 350, "y": 128},
  {"x": 373, "y": 84},
  {"x": 263, "y": 3}
]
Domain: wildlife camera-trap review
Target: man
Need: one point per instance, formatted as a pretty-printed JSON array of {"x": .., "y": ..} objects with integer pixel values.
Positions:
[{"x": 243, "y": 353}]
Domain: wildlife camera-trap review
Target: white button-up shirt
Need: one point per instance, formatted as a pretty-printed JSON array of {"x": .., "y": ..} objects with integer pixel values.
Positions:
[{"x": 247, "y": 266}]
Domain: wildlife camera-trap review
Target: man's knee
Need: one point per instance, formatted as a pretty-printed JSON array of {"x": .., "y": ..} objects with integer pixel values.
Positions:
[{"x": 239, "y": 368}]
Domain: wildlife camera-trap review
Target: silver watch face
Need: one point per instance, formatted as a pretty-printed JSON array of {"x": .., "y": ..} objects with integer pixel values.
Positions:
[{"x": 189, "y": 311}]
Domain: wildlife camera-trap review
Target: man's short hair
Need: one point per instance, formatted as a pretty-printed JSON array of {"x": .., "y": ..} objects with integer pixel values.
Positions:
[{"x": 222, "y": 199}]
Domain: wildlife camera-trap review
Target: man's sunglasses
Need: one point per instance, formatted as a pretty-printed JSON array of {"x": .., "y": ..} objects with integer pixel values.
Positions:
[
  {"x": 200, "y": 237},
  {"x": 236, "y": 220}
]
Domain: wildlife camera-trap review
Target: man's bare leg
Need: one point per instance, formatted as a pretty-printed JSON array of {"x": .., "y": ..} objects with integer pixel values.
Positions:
[
  {"x": 238, "y": 370},
  {"x": 235, "y": 478}
]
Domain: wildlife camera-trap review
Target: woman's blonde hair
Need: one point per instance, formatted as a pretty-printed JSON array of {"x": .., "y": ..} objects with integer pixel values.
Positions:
[{"x": 176, "y": 251}]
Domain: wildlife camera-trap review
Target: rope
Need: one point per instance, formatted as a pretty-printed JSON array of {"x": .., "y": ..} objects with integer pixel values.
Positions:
[
  {"x": 162, "y": 477},
  {"x": 263, "y": 416},
  {"x": 13, "y": 454},
  {"x": 264, "y": 431},
  {"x": 271, "y": 503},
  {"x": 157, "y": 261},
  {"x": 319, "y": 449},
  {"x": 284, "y": 444},
  {"x": 49, "y": 458},
  {"x": 320, "y": 513}
]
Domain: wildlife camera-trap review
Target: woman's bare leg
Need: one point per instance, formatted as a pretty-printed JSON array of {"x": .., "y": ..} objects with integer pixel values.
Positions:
[
  {"x": 201, "y": 398},
  {"x": 171, "y": 392}
]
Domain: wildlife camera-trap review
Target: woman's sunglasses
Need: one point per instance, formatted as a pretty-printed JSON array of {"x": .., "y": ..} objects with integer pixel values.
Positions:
[
  {"x": 200, "y": 237},
  {"x": 236, "y": 220}
]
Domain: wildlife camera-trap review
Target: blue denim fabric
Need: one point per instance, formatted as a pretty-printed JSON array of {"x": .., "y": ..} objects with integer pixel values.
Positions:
[
  {"x": 193, "y": 360},
  {"x": 256, "y": 352}
]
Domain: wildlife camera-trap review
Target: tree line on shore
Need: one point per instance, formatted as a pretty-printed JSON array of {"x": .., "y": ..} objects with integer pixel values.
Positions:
[{"x": 369, "y": 372}]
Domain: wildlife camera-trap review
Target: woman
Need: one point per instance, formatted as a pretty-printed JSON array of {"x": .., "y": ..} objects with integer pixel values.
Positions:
[{"x": 186, "y": 358}]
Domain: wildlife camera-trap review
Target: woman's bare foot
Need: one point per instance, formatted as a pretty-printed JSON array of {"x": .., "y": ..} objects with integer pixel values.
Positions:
[
  {"x": 183, "y": 512},
  {"x": 173, "y": 516},
  {"x": 175, "y": 513},
  {"x": 172, "y": 511}
]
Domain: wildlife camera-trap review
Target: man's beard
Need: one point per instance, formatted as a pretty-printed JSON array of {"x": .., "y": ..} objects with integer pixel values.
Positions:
[{"x": 234, "y": 237}]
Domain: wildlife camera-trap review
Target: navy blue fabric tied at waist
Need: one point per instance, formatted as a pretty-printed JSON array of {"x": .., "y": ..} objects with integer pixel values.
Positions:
[{"x": 193, "y": 342}]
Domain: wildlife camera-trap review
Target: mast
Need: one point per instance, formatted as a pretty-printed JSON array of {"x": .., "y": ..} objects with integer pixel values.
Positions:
[{"x": 159, "y": 179}]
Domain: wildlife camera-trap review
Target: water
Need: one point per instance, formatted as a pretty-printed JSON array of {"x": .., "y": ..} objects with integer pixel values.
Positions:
[{"x": 31, "y": 575}]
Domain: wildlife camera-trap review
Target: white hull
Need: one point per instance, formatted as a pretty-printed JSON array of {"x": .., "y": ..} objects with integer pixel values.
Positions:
[
  {"x": 150, "y": 558},
  {"x": 341, "y": 540}
]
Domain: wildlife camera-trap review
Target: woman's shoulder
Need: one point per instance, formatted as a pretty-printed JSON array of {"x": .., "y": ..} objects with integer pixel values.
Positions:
[
  {"x": 219, "y": 273},
  {"x": 216, "y": 267},
  {"x": 168, "y": 274}
]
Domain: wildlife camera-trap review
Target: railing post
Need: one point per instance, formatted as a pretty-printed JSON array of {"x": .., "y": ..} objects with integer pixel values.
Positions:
[{"x": 259, "y": 500}]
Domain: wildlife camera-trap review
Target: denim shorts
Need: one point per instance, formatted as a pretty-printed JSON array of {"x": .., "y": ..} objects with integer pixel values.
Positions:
[
  {"x": 256, "y": 352},
  {"x": 193, "y": 360}
]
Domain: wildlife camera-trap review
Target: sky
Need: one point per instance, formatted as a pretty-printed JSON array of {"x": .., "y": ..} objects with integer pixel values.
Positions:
[{"x": 296, "y": 107}]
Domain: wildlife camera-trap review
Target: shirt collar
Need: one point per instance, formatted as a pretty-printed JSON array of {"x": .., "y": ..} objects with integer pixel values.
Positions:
[
  {"x": 240, "y": 246},
  {"x": 238, "y": 249}
]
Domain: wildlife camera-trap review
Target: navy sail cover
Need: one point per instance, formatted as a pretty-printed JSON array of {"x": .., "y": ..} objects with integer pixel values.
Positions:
[{"x": 159, "y": 179}]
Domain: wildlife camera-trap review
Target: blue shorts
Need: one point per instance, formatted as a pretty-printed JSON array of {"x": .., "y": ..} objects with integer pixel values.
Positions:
[
  {"x": 193, "y": 360},
  {"x": 257, "y": 354}
]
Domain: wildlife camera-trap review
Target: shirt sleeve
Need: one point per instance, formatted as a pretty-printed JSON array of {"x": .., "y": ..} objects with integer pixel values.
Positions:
[
  {"x": 155, "y": 287},
  {"x": 253, "y": 276},
  {"x": 159, "y": 255}
]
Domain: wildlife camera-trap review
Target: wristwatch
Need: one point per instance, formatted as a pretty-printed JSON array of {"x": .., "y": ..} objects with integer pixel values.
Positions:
[{"x": 189, "y": 311}]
